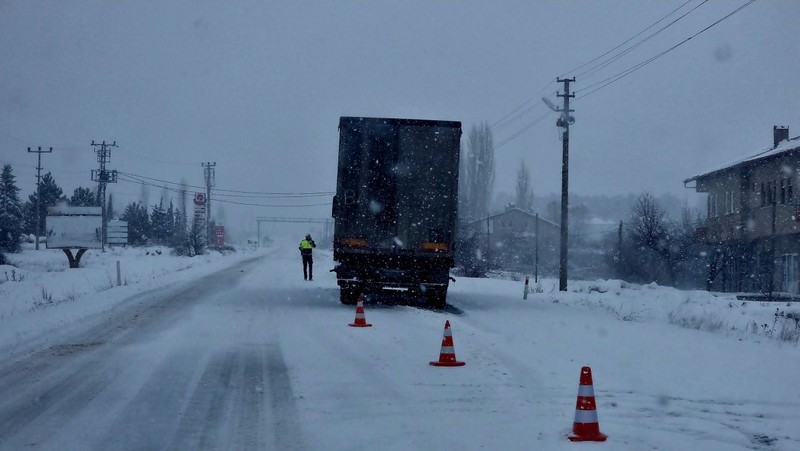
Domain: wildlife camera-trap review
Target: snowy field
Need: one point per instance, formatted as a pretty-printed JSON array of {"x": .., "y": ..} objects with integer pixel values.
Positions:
[{"x": 673, "y": 370}]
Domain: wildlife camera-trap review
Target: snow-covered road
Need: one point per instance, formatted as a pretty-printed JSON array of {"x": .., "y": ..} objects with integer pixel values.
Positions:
[
  {"x": 253, "y": 357},
  {"x": 188, "y": 367}
]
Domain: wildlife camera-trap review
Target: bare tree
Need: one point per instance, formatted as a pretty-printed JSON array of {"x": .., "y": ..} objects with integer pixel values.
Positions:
[
  {"x": 649, "y": 232},
  {"x": 479, "y": 172},
  {"x": 524, "y": 199},
  {"x": 649, "y": 226},
  {"x": 476, "y": 181}
]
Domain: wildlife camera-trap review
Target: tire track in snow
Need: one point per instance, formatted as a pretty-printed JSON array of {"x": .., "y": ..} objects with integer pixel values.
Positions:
[{"x": 49, "y": 395}]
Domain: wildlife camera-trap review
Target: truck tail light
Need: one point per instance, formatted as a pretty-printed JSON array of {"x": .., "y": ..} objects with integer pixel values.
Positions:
[
  {"x": 434, "y": 247},
  {"x": 353, "y": 242}
]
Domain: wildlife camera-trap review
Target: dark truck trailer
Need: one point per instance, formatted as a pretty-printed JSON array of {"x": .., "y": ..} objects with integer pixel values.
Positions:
[{"x": 396, "y": 207}]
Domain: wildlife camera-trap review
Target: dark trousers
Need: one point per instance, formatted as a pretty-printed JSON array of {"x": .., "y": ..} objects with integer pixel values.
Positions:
[{"x": 308, "y": 267}]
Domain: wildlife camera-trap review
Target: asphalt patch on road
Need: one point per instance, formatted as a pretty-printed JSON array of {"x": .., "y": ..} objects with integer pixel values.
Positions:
[{"x": 73, "y": 348}]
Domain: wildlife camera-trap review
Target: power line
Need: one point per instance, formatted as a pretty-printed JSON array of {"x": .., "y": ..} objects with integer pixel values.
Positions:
[
  {"x": 217, "y": 199},
  {"x": 272, "y": 205},
  {"x": 263, "y": 193},
  {"x": 505, "y": 122},
  {"x": 614, "y": 78},
  {"x": 633, "y": 47},
  {"x": 522, "y": 130},
  {"x": 634, "y": 37}
]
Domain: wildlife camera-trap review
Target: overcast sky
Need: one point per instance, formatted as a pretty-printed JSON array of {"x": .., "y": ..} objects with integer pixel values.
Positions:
[{"x": 258, "y": 87}]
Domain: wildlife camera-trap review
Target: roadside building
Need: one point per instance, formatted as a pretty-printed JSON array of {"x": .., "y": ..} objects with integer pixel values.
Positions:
[
  {"x": 508, "y": 240},
  {"x": 753, "y": 225}
]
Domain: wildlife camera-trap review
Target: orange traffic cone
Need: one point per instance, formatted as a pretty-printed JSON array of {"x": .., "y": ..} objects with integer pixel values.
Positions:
[
  {"x": 360, "y": 320},
  {"x": 447, "y": 356},
  {"x": 586, "y": 428}
]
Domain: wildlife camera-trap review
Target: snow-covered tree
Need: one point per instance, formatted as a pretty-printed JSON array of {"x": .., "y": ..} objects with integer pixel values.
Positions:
[
  {"x": 83, "y": 197},
  {"x": 138, "y": 223},
  {"x": 11, "y": 224},
  {"x": 159, "y": 224},
  {"x": 51, "y": 194},
  {"x": 197, "y": 237}
]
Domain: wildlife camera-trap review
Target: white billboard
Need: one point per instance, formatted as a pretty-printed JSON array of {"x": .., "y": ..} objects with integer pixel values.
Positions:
[{"x": 74, "y": 227}]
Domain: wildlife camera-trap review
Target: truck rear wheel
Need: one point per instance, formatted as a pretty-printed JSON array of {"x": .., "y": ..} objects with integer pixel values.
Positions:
[
  {"x": 437, "y": 298},
  {"x": 348, "y": 296}
]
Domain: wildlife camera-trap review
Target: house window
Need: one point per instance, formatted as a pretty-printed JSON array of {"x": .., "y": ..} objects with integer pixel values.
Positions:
[
  {"x": 789, "y": 192},
  {"x": 712, "y": 205},
  {"x": 763, "y": 195},
  {"x": 710, "y": 200},
  {"x": 772, "y": 192},
  {"x": 729, "y": 202},
  {"x": 783, "y": 192}
]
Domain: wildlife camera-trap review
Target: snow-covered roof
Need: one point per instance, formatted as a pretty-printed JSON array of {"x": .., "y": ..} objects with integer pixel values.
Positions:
[{"x": 782, "y": 147}]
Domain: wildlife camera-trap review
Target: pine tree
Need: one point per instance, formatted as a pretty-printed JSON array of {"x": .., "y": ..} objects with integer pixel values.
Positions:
[
  {"x": 179, "y": 239},
  {"x": 138, "y": 223},
  {"x": 11, "y": 225},
  {"x": 158, "y": 223},
  {"x": 51, "y": 194},
  {"x": 169, "y": 223},
  {"x": 82, "y": 197}
]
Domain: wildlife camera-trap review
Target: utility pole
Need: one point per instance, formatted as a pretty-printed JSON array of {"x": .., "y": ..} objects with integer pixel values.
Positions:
[
  {"x": 209, "y": 175},
  {"x": 564, "y": 121},
  {"x": 102, "y": 177},
  {"x": 38, "y": 189},
  {"x": 536, "y": 255}
]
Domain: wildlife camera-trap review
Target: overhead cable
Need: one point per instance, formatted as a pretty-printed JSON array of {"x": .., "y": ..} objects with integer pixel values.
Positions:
[{"x": 614, "y": 78}]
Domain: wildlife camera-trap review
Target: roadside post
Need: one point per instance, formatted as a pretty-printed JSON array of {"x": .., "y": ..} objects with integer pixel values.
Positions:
[{"x": 527, "y": 289}]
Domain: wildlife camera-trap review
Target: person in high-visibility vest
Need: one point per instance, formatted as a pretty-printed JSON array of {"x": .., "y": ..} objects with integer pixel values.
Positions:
[{"x": 308, "y": 262}]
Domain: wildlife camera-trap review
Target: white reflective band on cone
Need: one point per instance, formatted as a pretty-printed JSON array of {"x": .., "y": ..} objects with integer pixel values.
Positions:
[
  {"x": 585, "y": 390},
  {"x": 586, "y": 416},
  {"x": 448, "y": 350}
]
